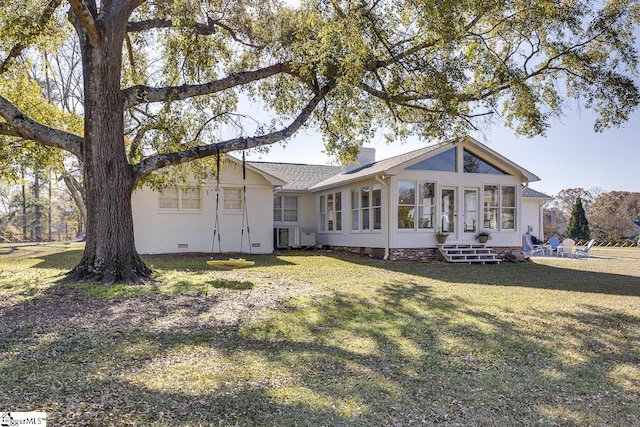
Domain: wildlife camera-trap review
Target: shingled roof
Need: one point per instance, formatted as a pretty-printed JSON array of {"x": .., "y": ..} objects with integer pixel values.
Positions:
[
  {"x": 303, "y": 177},
  {"x": 376, "y": 168},
  {"x": 298, "y": 177},
  {"x": 533, "y": 194}
]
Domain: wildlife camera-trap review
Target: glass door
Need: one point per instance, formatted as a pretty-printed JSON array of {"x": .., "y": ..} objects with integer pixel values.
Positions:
[
  {"x": 470, "y": 220},
  {"x": 448, "y": 212}
]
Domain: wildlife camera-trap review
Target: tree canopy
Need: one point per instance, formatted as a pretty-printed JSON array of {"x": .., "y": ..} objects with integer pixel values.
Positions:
[{"x": 162, "y": 81}]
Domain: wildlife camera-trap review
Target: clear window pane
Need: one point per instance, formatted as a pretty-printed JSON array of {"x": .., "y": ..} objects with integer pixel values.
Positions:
[
  {"x": 508, "y": 218},
  {"x": 509, "y": 196},
  {"x": 169, "y": 198},
  {"x": 355, "y": 220},
  {"x": 365, "y": 219},
  {"x": 365, "y": 197},
  {"x": 232, "y": 199},
  {"x": 191, "y": 198},
  {"x": 406, "y": 193},
  {"x": 445, "y": 162},
  {"x": 405, "y": 217},
  {"x": 474, "y": 164}
]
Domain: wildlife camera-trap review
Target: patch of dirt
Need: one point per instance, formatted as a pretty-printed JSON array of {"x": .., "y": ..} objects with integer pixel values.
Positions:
[{"x": 63, "y": 306}]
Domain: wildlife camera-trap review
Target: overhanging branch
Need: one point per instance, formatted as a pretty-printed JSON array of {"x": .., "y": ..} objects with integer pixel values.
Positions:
[
  {"x": 22, "y": 126},
  {"x": 159, "y": 161},
  {"x": 17, "y": 49},
  {"x": 142, "y": 94}
]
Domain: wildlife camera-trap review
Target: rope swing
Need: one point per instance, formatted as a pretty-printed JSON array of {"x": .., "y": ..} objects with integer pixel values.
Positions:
[{"x": 232, "y": 262}]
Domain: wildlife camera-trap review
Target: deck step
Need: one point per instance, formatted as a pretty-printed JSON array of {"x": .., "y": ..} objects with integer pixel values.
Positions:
[{"x": 468, "y": 253}]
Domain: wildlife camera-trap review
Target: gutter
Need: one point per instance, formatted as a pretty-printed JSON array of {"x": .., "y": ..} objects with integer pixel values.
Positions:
[{"x": 388, "y": 234}]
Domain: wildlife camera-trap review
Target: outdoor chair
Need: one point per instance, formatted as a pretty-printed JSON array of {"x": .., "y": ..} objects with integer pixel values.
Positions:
[
  {"x": 528, "y": 248},
  {"x": 552, "y": 245},
  {"x": 566, "y": 248},
  {"x": 584, "y": 251}
]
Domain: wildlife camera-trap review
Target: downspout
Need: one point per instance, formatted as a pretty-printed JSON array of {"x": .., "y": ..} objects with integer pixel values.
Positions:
[{"x": 388, "y": 225}]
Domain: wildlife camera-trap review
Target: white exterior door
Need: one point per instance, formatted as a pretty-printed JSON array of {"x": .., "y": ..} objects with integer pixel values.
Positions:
[
  {"x": 449, "y": 211},
  {"x": 471, "y": 219}
]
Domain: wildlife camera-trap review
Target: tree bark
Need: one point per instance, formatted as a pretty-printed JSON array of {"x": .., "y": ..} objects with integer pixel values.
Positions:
[{"x": 110, "y": 255}]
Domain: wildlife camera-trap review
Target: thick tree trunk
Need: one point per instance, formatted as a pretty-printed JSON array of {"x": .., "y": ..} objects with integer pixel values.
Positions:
[{"x": 110, "y": 254}]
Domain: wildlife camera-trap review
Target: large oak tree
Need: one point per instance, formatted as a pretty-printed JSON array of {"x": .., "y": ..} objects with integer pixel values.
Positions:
[{"x": 162, "y": 77}]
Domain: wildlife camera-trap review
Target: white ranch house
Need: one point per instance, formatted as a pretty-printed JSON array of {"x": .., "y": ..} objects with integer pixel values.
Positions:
[{"x": 389, "y": 209}]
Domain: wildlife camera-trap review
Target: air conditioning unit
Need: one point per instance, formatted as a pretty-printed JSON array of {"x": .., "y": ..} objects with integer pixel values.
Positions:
[
  {"x": 294, "y": 237},
  {"x": 282, "y": 237},
  {"x": 307, "y": 236}
]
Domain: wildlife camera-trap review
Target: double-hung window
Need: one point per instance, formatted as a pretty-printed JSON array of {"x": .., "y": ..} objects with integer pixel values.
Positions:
[
  {"x": 416, "y": 205},
  {"x": 232, "y": 200},
  {"x": 366, "y": 208},
  {"x": 331, "y": 212},
  {"x": 180, "y": 199},
  {"x": 499, "y": 207},
  {"x": 285, "y": 209}
]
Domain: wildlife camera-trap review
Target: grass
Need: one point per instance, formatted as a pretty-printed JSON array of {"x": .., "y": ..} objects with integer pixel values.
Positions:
[{"x": 324, "y": 339}]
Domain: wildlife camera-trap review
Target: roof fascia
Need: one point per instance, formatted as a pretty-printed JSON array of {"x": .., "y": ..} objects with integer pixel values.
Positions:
[{"x": 270, "y": 178}]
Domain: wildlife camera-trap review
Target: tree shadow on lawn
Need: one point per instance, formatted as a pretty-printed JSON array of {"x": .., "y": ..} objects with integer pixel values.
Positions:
[
  {"x": 190, "y": 261},
  {"x": 527, "y": 274},
  {"x": 400, "y": 356}
]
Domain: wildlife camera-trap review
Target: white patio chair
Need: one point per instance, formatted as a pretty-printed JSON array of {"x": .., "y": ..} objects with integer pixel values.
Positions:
[
  {"x": 528, "y": 248},
  {"x": 566, "y": 248},
  {"x": 578, "y": 252}
]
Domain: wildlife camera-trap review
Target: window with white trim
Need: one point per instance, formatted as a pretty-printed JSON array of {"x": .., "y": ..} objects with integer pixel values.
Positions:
[
  {"x": 500, "y": 208},
  {"x": 424, "y": 205},
  {"x": 331, "y": 212},
  {"x": 366, "y": 208},
  {"x": 232, "y": 199},
  {"x": 285, "y": 208},
  {"x": 508, "y": 207},
  {"x": 180, "y": 198}
]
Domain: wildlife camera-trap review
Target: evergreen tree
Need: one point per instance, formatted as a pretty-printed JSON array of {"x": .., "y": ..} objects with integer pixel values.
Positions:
[{"x": 578, "y": 228}]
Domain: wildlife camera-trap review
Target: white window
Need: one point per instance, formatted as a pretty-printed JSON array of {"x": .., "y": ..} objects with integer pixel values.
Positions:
[
  {"x": 416, "y": 197},
  {"x": 232, "y": 199},
  {"x": 331, "y": 212},
  {"x": 508, "y": 207},
  {"x": 181, "y": 198},
  {"x": 366, "y": 208},
  {"x": 169, "y": 198},
  {"x": 285, "y": 208},
  {"x": 499, "y": 207}
]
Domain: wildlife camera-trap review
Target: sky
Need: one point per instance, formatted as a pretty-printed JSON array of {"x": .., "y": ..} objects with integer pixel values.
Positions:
[{"x": 571, "y": 155}]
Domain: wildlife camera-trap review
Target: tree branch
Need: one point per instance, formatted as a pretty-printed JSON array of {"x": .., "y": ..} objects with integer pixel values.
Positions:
[
  {"x": 85, "y": 18},
  {"x": 159, "y": 161},
  {"x": 28, "y": 128},
  {"x": 17, "y": 49},
  {"x": 142, "y": 94},
  {"x": 150, "y": 24}
]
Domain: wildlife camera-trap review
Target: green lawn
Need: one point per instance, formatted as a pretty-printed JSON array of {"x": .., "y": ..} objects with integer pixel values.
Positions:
[{"x": 317, "y": 338}]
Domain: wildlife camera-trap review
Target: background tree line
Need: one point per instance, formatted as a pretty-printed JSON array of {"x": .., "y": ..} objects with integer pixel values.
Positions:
[
  {"x": 38, "y": 207},
  {"x": 610, "y": 213}
]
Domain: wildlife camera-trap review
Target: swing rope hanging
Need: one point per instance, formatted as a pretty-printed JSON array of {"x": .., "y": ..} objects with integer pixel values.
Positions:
[{"x": 232, "y": 262}]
